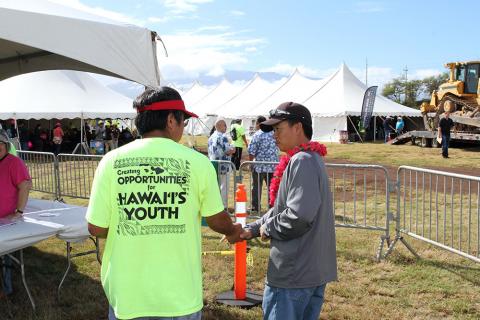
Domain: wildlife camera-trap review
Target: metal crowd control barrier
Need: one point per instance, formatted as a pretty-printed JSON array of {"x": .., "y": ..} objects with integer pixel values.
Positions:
[
  {"x": 440, "y": 208},
  {"x": 360, "y": 193},
  {"x": 226, "y": 175},
  {"x": 257, "y": 185},
  {"x": 361, "y": 198},
  {"x": 75, "y": 174},
  {"x": 41, "y": 166}
]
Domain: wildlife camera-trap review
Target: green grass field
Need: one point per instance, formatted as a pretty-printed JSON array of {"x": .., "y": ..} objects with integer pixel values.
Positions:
[{"x": 440, "y": 285}]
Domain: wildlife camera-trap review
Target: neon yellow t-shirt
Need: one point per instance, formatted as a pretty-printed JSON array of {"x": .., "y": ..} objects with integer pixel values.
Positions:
[
  {"x": 12, "y": 150},
  {"x": 151, "y": 194},
  {"x": 240, "y": 132}
]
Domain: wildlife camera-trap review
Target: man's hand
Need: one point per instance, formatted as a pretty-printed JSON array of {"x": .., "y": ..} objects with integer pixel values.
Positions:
[
  {"x": 246, "y": 234},
  {"x": 234, "y": 236},
  {"x": 263, "y": 236}
]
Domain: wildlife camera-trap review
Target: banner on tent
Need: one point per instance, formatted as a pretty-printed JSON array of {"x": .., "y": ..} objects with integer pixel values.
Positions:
[{"x": 367, "y": 106}]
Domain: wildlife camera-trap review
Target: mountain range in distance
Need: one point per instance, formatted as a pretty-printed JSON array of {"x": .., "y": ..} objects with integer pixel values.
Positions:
[{"x": 132, "y": 89}]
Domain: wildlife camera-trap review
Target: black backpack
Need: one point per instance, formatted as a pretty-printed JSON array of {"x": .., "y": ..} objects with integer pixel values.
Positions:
[{"x": 233, "y": 134}]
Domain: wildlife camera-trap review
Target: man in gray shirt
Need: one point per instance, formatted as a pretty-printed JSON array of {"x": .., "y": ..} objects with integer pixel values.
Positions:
[{"x": 300, "y": 225}]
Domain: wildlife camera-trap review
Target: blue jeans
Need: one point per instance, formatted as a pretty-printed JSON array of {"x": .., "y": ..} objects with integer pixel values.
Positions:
[
  {"x": 387, "y": 135},
  {"x": 194, "y": 316},
  {"x": 7, "y": 275},
  {"x": 445, "y": 143},
  {"x": 292, "y": 304}
]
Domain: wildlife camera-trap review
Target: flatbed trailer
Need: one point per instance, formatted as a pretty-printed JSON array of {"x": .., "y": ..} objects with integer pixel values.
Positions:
[{"x": 428, "y": 139}]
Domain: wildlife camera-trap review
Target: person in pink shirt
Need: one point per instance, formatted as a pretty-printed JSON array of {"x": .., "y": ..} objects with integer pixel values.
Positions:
[
  {"x": 57, "y": 138},
  {"x": 15, "y": 184}
]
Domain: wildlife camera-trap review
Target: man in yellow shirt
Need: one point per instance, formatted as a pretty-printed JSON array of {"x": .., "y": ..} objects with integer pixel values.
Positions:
[{"x": 147, "y": 199}]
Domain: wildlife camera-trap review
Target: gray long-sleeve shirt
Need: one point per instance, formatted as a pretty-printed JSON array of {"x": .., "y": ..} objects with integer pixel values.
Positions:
[{"x": 301, "y": 226}]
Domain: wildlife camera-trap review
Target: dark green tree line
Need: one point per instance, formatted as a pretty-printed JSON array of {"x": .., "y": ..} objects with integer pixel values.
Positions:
[{"x": 410, "y": 92}]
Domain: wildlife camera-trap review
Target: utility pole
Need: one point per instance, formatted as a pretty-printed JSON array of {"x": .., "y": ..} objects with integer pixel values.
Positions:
[{"x": 406, "y": 83}]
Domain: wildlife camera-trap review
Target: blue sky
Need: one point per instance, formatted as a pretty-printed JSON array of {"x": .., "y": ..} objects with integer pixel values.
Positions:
[{"x": 211, "y": 36}]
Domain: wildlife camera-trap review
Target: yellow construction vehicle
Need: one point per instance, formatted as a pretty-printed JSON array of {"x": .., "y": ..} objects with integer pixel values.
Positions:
[{"x": 463, "y": 90}]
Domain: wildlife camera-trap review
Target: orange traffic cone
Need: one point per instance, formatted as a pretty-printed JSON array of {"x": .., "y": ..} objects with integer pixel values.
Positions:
[{"x": 239, "y": 297}]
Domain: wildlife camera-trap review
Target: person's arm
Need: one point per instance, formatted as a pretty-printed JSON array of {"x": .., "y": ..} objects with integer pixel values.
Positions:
[
  {"x": 97, "y": 231},
  {"x": 222, "y": 223},
  {"x": 303, "y": 202},
  {"x": 252, "y": 148},
  {"x": 23, "y": 191},
  {"x": 252, "y": 230},
  {"x": 99, "y": 206},
  {"x": 439, "y": 131},
  {"x": 245, "y": 140}
]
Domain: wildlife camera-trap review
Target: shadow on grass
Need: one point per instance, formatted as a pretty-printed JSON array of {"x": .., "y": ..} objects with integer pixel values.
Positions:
[
  {"x": 467, "y": 273},
  {"x": 81, "y": 296}
]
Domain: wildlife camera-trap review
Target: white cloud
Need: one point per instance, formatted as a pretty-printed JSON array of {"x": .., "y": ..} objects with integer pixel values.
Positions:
[
  {"x": 424, "y": 73},
  {"x": 237, "y": 13},
  {"x": 216, "y": 71},
  {"x": 211, "y": 28},
  {"x": 369, "y": 7},
  {"x": 182, "y": 6},
  {"x": 191, "y": 54},
  {"x": 251, "y": 49},
  {"x": 158, "y": 19},
  {"x": 98, "y": 11}
]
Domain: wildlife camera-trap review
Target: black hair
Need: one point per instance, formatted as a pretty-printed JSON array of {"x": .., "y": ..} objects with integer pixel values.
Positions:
[
  {"x": 261, "y": 119},
  {"x": 307, "y": 129},
  {"x": 150, "y": 120}
]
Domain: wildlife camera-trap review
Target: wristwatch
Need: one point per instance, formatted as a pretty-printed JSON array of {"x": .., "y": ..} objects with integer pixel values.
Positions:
[{"x": 18, "y": 211}]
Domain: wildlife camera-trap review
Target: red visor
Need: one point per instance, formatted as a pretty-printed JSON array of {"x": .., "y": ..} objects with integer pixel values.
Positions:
[{"x": 167, "y": 105}]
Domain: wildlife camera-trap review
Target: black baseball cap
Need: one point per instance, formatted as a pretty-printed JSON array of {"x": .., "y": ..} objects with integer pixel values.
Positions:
[{"x": 287, "y": 111}]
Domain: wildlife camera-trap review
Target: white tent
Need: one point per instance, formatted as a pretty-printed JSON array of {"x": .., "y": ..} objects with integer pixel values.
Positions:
[
  {"x": 211, "y": 103},
  {"x": 195, "y": 94},
  {"x": 296, "y": 88},
  {"x": 60, "y": 94},
  {"x": 256, "y": 90},
  {"x": 340, "y": 97},
  {"x": 208, "y": 106},
  {"x": 37, "y": 35}
]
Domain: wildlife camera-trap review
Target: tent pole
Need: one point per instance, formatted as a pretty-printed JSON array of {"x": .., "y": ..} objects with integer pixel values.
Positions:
[
  {"x": 412, "y": 122},
  {"x": 354, "y": 128},
  {"x": 81, "y": 133},
  {"x": 18, "y": 133}
]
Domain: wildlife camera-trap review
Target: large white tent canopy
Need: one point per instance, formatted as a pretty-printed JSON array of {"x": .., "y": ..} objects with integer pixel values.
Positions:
[
  {"x": 60, "y": 95},
  {"x": 342, "y": 94},
  {"x": 256, "y": 90},
  {"x": 332, "y": 101},
  {"x": 296, "y": 88},
  {"x": 195, "y": 94},
  {"x": 210, "y": 104},
  {"x": 37, "y": 35}
]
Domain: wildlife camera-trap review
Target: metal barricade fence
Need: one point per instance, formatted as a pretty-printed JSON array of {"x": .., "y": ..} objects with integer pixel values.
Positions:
[
  {"x": 361, "y": 198},
  {"x": 440, "y": 208},
  {"x": 360, "y": 194},
  {"x": 75, "y": 174},
  {"x": 257, "y": 185},
  {"x": 41, "y": 167},
  {"x": 226, "y": 177}
]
